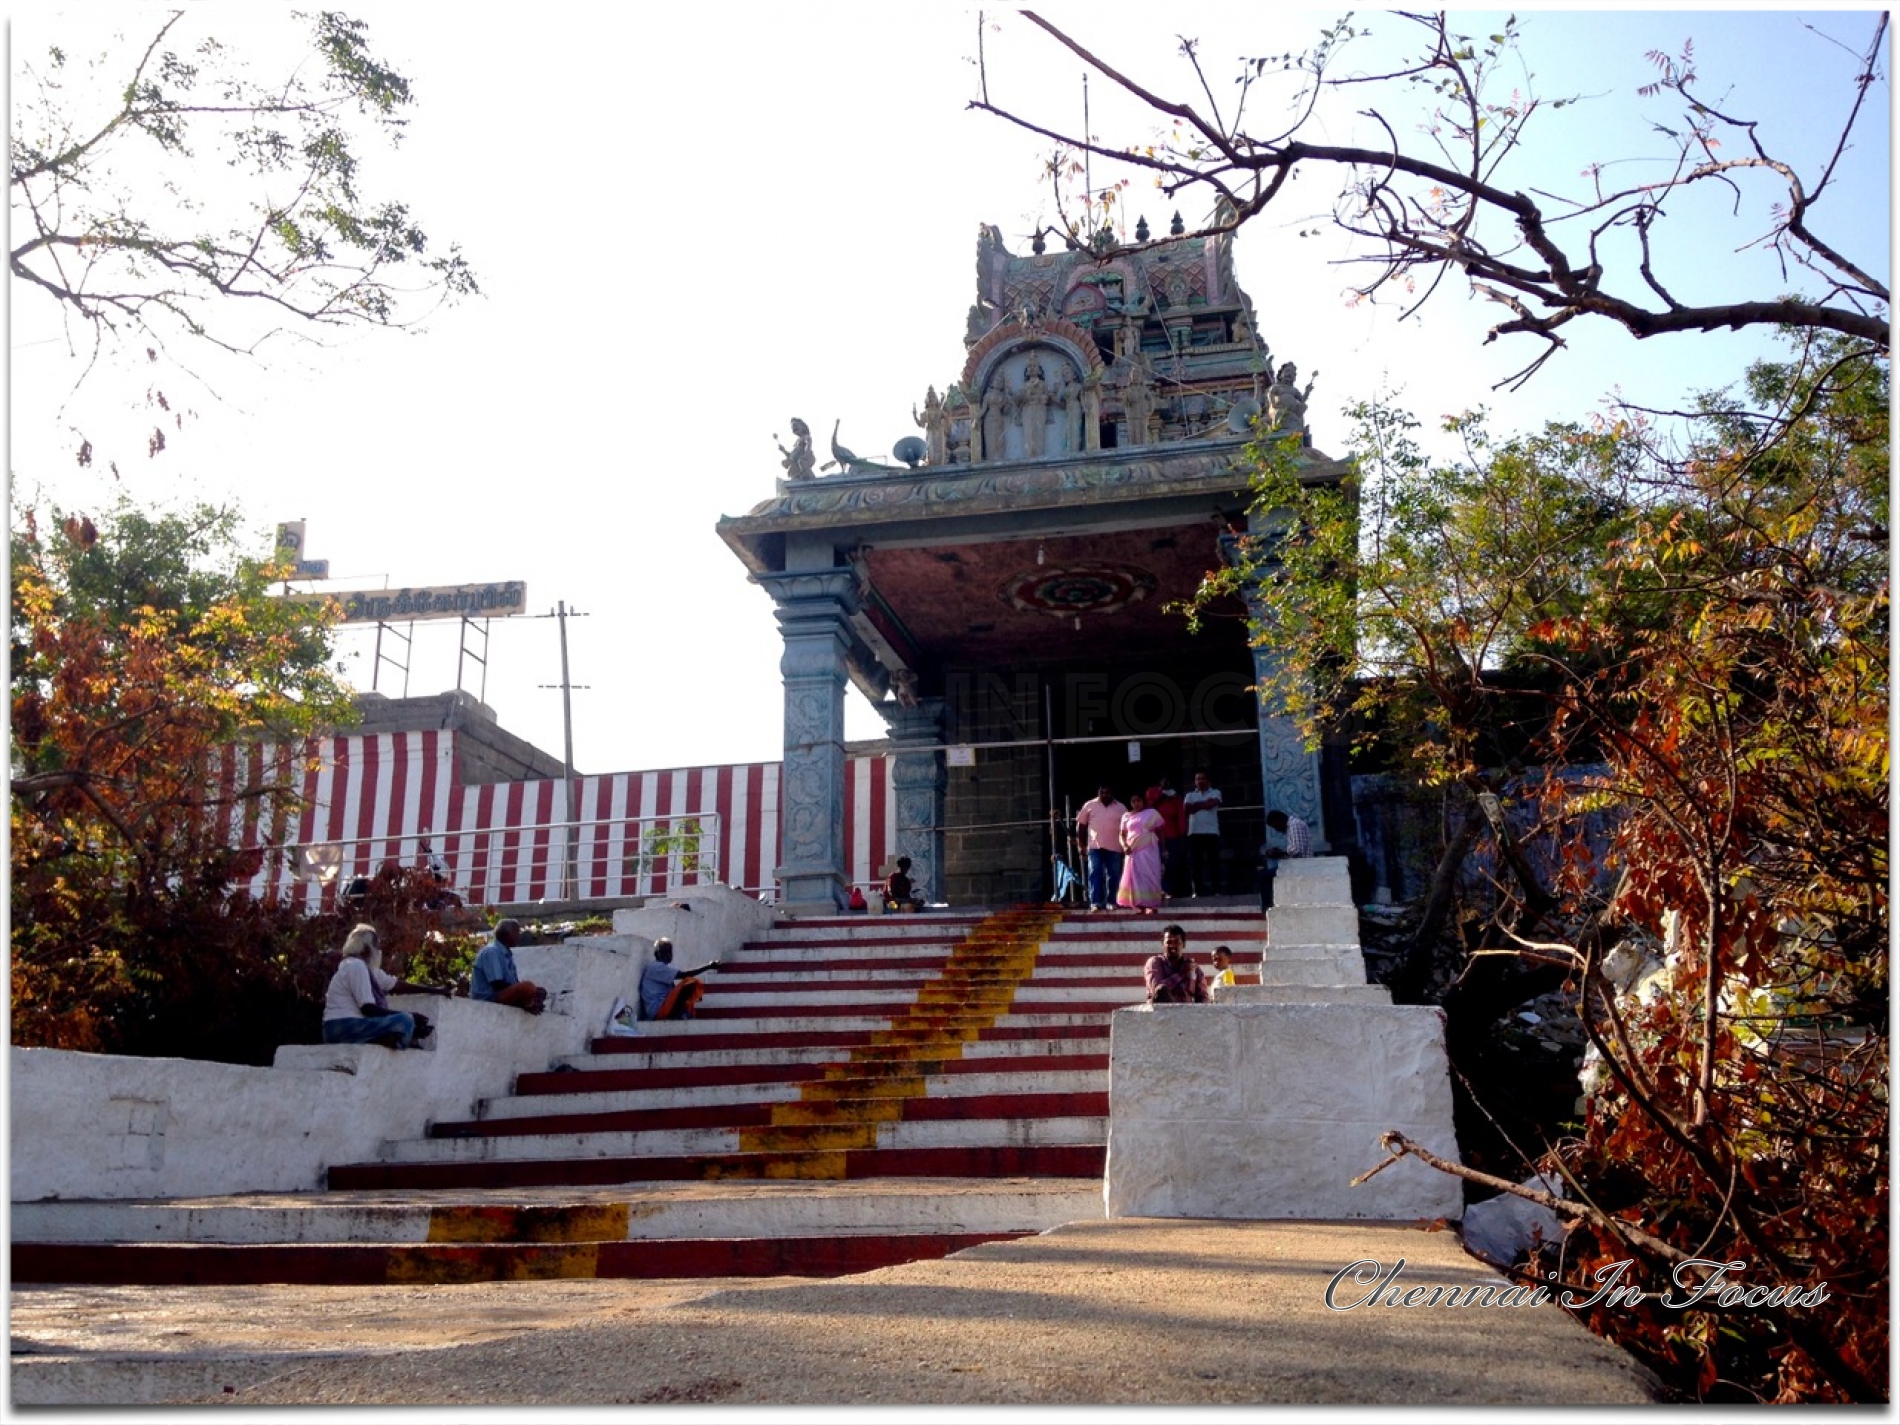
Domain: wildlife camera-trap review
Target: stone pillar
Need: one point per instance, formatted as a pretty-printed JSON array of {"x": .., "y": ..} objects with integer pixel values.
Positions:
[
  {"x": 917, "y": 771},
  {"x": 813, "y": 609},
  {"x": 1289, "y": 774}
]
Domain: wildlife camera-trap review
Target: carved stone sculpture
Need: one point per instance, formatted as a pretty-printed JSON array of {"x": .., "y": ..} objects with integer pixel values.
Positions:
[
  {"x": 935, "y": 422},
  {"x": 1073, "y": 415},
  {"x": 1091, "y": 411},
  {"x": 1286, "y": 402},
  {"x": 995, "y": 413},
  {"x": 1138, "y": 404},
  {"x": 848, "y": 462},
  {"x": 1033, "y": 402},
  {"x": 798, "y": 460}
]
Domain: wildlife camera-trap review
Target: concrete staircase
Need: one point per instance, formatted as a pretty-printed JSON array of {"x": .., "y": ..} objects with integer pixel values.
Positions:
[{"x": 853, "y": 1093}]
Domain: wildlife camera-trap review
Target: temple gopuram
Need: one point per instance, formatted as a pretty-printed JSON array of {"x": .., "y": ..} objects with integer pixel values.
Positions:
[{"x": 1001, "y": 593}]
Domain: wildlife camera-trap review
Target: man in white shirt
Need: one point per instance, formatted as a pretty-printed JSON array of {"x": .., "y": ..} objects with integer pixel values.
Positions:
[
  {"x": 1202, "y": 805},
  {"x": 1098, "y": 835},
  {"x": 356, "y": 1005}
]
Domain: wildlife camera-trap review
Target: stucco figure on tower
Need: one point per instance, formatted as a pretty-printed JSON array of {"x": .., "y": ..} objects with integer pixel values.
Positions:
[
  {"x": 1033, "y": 402},
  {"x": 798, "y": 460},
  {"x": 935, "y": 424},
  {"x": 1286, "y": 402}
]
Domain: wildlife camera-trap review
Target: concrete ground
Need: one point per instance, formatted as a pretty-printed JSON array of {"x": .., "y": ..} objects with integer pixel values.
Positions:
[{"x": 1133, "y": 1311}]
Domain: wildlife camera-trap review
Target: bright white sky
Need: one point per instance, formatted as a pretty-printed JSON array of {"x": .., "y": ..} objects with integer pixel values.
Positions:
[{"x": 692, "y": 222}]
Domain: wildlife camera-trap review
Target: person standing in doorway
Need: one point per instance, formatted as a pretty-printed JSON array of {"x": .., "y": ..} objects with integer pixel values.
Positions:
[
  {"x": 1163, "y": 798},
  {"x": 1098, "y": 837},
  {"x": 1202, "y": 804},
  {"x": 1141, "y": 846}
]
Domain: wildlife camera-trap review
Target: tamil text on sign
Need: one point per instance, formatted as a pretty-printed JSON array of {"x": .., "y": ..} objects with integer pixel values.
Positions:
[{"x": 440, "y": 601}]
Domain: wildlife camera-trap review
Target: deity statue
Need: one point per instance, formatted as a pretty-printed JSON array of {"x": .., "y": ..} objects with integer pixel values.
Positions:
[
  {"x": 996, "y": 405},
  {"x": 1286, "y": 402},
  {"x": 798, "y": 460},
  {"x": 1072, "y": 402},
  {"x": 935, "y": 422},
  {"x": 1243, "y": 330},
  {"x": 1128, "y": 335},
  {"x": 1091, "y": 412},
  {"x": 1033, "y": 402},
  {"x": 1138, "y": 404}
]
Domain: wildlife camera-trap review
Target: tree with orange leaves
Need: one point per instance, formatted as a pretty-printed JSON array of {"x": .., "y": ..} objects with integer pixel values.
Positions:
[
  {"x": 1657, "y": 671},
  {"x": 140, "y": 645}
]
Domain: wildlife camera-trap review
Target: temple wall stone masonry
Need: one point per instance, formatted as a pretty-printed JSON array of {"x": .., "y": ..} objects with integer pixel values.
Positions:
[{"x": 1269, "y": 1102}]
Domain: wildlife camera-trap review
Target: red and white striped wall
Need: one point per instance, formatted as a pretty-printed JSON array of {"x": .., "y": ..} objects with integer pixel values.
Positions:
[{"x": 375, "y": 797}]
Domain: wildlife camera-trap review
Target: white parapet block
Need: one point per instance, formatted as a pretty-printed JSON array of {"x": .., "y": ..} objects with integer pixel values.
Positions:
[
  {"x": 114, "y": 1126},
  {"x": 1301, "y": 994},
  {"x": 1313, "y": 880},
  {"x": 1314, "y": 965},
  {"x": 1312, "y": 924},
  {"x": 1260, "y": 1111}
]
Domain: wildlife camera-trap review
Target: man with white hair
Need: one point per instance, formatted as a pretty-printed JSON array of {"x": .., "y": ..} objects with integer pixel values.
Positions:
[{"x": 356, "y": 1005}]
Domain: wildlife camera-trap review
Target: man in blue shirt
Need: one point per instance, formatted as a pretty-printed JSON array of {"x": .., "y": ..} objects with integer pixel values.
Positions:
[
  {"x": 494, "y": 977},
  {"x": 667, "y": 993}
]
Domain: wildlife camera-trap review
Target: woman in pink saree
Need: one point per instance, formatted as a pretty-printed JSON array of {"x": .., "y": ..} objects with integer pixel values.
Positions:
[{"x": 1141, "y": 871}]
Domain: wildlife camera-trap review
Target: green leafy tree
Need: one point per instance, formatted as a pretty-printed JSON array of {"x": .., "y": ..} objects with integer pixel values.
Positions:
[{"x": 166, "y": 191}]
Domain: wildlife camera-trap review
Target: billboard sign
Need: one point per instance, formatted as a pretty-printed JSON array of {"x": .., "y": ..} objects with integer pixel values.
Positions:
[{"x": 497, "y": 600}]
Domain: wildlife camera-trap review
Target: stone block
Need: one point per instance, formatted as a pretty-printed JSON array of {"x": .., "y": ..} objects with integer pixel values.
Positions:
[
  {"x": 1269, "y": 1110},
  {"x": 1181, "y": 1058},
  {"x": 1311, "y": 924},
  {"x": 1304, "y": 882},
  {"x": 1317, "y": 965},
  {"x": 1302, "y": 994}
]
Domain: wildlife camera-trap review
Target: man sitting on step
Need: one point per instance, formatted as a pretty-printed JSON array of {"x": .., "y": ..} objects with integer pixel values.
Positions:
[
  {"x": 667, "y": 993},
  {"x": 356, "y": 1005},
  {"x": 1172, "y": 977},
  {"x": 899, "y": 892},
  {"x": 494, "y": 977}
]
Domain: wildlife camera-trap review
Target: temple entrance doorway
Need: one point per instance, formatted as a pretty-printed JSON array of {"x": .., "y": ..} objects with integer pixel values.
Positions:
[{"x": 1045, "y": 737}]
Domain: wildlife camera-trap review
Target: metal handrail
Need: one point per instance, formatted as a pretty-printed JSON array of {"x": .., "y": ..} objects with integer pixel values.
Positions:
[{"x": 688, "y": 855}]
